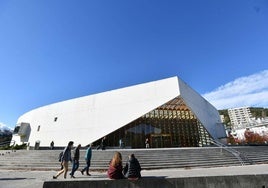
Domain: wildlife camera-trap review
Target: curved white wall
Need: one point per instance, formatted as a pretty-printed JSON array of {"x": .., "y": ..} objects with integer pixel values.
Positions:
[{"x": 89, "y": 118}]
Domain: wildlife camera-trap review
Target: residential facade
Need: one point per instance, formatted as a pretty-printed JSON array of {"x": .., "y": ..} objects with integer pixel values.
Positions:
[{"x": 240, "y": 117}]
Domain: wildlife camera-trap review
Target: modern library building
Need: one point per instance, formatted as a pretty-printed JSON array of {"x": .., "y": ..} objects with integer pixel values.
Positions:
[{"x": 167, "y": 112}]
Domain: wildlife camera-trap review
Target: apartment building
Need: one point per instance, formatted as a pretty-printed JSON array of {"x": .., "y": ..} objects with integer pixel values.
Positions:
[{"x": 239, "y": 117}]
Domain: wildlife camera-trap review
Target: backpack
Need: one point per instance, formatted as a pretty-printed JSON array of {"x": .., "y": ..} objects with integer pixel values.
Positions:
[{"x": 60, "y": 156}]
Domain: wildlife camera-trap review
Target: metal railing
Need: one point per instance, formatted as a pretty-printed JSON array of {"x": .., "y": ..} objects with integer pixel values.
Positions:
[{"x": 240, "y": 156}]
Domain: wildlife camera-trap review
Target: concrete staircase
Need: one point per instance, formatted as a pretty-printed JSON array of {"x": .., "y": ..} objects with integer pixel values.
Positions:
[
  {"x": 257, "y": 154},
  {"x": 149, "y": 158}
]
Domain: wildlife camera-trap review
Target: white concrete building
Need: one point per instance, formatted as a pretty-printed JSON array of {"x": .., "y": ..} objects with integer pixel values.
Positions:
[{"x": 168, "y": 112}]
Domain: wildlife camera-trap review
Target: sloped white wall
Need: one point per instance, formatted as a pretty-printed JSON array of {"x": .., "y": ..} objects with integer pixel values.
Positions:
[
  {"x": 89, "y": 118},
  {"x": 207, "y": 114},
  {"x": 86, "y": 119}
]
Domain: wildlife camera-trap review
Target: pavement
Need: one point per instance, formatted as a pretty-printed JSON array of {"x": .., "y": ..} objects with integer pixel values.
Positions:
[{"x": 35, "y": 179}]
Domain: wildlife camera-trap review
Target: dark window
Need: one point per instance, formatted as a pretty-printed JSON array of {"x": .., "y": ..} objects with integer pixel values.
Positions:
[{"x": 16, "y": 130}]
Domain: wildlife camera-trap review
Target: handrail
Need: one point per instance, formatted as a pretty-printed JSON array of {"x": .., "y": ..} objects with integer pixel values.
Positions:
[{"x": 240, "y": 156}]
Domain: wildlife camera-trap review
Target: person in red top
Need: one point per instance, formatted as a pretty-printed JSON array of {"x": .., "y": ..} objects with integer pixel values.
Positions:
[{"x": 115, "y": 167}]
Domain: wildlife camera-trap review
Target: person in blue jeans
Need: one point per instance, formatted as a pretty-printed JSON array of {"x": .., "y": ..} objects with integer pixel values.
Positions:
[
  {"x": 75, "y": 160},
  {"x": 88, "y": 159}
]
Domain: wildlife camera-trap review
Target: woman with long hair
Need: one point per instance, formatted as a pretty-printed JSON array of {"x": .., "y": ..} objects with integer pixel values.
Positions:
[
  {"x": 115, "y": 167},
  {"x": 65, "y": 158}
]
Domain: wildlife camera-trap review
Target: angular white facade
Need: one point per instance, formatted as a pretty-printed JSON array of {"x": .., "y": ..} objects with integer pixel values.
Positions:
[{"x": 87, "y": 119}]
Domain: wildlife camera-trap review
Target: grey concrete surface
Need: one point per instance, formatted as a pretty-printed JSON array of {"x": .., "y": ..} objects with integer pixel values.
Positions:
[
  {"x": 239, "y": 181},
  {"x": 35, "y": 179}
]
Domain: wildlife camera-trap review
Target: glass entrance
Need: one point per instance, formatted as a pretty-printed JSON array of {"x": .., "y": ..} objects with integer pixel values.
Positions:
[
  {"x": 171, "y": 125},
  {"x": 160, "y": 140}
]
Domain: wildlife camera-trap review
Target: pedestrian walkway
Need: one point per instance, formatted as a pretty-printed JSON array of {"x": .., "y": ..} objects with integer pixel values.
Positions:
[
  {"x": 32, "y": 168},
  {"x": 35, "y": 179},
  {"x": 161, "y": 158}
]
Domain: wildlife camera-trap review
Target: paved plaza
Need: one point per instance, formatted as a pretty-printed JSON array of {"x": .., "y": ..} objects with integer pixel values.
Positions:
[{"x": 35, "y": 179}]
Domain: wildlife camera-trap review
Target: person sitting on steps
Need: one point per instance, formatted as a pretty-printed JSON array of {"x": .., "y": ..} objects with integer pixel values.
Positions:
[{"x": 132, "y": 170}]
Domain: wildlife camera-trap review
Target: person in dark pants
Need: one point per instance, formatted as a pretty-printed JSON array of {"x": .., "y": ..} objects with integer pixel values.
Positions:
[
  {"x": 88, "y": 160},
  {"x": 132, "y": 170},
  {"x": 75, "y": 160},
  {"x": 103, "y": 144},
  {"x": 52, "y": 145}
]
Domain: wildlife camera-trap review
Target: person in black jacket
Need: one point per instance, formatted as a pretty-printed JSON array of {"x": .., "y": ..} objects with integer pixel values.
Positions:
[
  {"x": 103, "y": 144},
  {"x": 75, "y": 160},
  {"x": 132, "y": 170}
]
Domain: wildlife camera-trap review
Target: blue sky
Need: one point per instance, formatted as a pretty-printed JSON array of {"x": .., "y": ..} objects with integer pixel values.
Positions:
[{"x": 52, "y": 51}]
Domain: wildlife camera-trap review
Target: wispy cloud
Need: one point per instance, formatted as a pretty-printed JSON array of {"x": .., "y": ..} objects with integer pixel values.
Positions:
[{"x": 249, "y": 91}]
